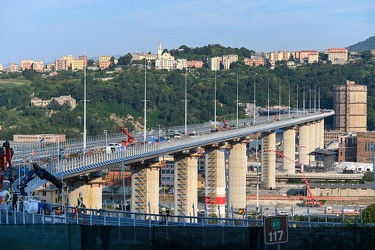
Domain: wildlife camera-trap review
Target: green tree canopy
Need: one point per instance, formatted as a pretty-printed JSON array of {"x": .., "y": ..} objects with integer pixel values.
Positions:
[{"x": 369, "y": 214}]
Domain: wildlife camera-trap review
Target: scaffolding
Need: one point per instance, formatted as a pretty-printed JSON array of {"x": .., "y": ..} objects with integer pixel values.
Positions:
[
  {"x": 181, "y": 187},
  {"x": 211, "y": 182},
  {"x": 140, "y": 190},
  {"x": 265, "y": 161}
]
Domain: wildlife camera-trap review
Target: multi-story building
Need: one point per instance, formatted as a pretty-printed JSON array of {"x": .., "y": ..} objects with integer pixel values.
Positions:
[
  {"x": 61, "y": 100},
  {"x": 350, "y": 106},
  {"x": 1, "y": 67},
  {"x": 373, "y": 52},
  {"x": 26, "y": 64},
  {"x": 305, "y": 54},
  {"x": 61, "y": 64},
  {"x": 13, "y": 67},
  {"x": 78, "y": 64},
  {"x": 347, "y": 151},
  {"x": 39, "y": 138},
  {"x": 364, "y": 140},
  {"x": 254, "y": 61},
  {"x": 313, "y": 58},
  {"x": 69, "y": 59},
  {"x": 214, "y": 63},
  {"x": 194, "y": 64},
  {"x": 278, "y": 55},
  {"x": 337, "y": 55},
  {"x": 104, "y": 61},
  {"x": 38, "y": 66},
  {"x": 140, "y": 56},
  {"x": 180, "y": 64},
  {"x": 227, "y": 60},
  {"x": 165, "y": 61},
  {"x": 85, "y": 60}
]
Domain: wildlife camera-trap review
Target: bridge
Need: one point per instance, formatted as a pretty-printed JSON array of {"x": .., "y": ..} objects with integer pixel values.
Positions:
[{"x": 145, "y": 164}]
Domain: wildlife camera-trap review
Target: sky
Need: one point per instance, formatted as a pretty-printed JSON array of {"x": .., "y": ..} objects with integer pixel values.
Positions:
[{"x": 49, "y": 29}]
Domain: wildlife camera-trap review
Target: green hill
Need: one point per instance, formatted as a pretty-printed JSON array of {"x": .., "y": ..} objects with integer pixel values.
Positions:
[{"x": 368, "y": 44}]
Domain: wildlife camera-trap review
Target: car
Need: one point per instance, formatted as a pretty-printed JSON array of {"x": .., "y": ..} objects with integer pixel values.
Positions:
[{"x": 282, "y": 213}]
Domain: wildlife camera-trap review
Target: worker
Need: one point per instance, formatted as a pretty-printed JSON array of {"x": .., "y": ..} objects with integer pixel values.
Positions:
[
  {"x": 75, "y": 212},
  {"x": 80, "y": 201},
  {"x": 8, "y": 196}
]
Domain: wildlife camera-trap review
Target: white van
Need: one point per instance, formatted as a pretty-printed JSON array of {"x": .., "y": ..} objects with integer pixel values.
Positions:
[{"x": 282, "y": 213}]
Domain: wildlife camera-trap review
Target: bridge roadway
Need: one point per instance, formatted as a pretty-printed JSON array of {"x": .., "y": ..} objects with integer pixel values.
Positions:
[{"x": 88, "y": 163}]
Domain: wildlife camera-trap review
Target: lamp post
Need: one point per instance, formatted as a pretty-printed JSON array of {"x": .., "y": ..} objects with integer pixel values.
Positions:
[
  {"x": 215, "y": 99},
  {"x": 145, "y": 107},
  {"x": 84, "y": 108},
  {"x": 186, "y": 104},
  {"x": 159, "y": 133},
  {"x": 105, "y": 136},
  {"x": 268, "y": 99},
  {"x": 237, "y": 100},
  {"x": 254, "y": 98}
]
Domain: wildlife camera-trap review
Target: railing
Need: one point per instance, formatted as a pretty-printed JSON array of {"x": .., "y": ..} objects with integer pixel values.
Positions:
[{"x": 118, "y": 218}]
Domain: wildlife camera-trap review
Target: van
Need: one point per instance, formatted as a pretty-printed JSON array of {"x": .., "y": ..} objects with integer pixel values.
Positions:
[
  {"x": 282, "y": 213},
  {"x": 329, "y": 209}
]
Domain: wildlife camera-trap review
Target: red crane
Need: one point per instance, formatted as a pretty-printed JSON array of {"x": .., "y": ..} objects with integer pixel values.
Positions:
[
  {"x": 129, "y": 140},
  {"x": 310, "y": 201}
]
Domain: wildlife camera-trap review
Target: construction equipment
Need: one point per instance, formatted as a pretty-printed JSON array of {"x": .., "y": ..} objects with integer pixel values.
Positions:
[
  {"x": 129, "y": 140},
  {"x": 310, "y": 201},
  {"x": 42, "y": 174},
  {"x": 7, "y": 171},
  {"x": 225, "y": 127}
]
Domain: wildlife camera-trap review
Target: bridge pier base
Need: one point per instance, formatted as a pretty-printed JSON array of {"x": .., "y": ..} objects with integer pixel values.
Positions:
[{"x": 91, "y": 191}]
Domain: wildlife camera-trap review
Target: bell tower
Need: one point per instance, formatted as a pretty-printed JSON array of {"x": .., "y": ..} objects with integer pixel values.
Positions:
[{"x": 160, "y": 49}]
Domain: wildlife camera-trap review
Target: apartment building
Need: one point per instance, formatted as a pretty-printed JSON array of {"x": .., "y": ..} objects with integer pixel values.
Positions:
[
  {"x": 180, "y": 64},
  {"x": 78, "y": 64},
  {"x": 85, "y": 60},
  {"x": 69, "y": 59},
  {"x": 308, "y": 56},
  {"x": 13, "y": 67},
  {"x": 194, "y": 64},
  {"x": 140, "y": 56},
  {"x": 104, "y": 61},
  {"x": 337, "y": 55},
  {"x": 214, "y": 63},
  {"x": 61, "y": 64},
  {"x": 26, "y": 64},
  {"x": 1, "y": 67},
  {"x": 227, "y": 60},
  {"x": 254, "y": 61},
  {"x": 278, "y": 55}
]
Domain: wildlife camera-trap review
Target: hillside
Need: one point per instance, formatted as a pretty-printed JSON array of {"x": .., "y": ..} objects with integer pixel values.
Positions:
[{"x": 368, "y": 44}]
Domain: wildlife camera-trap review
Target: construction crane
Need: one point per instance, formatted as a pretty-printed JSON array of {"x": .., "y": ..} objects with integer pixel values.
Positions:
[
  {"x": 310, "y": 201},
  {"x": 129, "y": 140}
]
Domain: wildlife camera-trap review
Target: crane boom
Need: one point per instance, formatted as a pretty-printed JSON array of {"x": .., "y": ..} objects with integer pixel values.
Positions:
[{"x": 130, "y": 139}]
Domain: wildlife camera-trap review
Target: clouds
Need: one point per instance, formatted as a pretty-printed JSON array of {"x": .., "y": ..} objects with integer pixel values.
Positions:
[{"x": 44, "y": 29}]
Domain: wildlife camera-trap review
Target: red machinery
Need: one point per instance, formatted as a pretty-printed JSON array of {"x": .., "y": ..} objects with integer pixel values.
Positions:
[
  {"x": 6, "y": 154},
  {"x": 225, "y": 127},
  {"x": 310, "y": 201},
  {"x": 130, "y": 139}
]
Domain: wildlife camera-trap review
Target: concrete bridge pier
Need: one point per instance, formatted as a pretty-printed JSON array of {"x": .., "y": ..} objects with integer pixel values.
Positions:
[
  {"x": 237, "y": 174},
  {"x": 145, "y": 186},
  {"x": 185, "y": 183},
  {"x": 312, "y": 140},
  {"x": 289, "y": 150},
  {"x": 90, "y": 187},
  {"x": 304, "y": 145},
  {"x": 215, "y": 179},
  {"x": 268, "y": 160}
]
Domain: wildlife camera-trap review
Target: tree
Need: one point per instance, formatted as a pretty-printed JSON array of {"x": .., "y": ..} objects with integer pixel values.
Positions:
[
  {"x": 125, "y": 60},
  {"x": 369, "y": 214},
  {"x": 90, "y": 62},
  {"x": 368, "y": 177}
]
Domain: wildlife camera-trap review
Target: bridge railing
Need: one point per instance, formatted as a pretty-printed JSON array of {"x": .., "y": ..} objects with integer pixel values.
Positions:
[{"x": 120, "y": 218}]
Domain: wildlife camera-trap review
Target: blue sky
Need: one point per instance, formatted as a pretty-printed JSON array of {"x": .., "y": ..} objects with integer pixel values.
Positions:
[{"x": 49, "y": 29}]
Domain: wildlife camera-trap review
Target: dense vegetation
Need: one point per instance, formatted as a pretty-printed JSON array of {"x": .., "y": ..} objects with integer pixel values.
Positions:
[{"x": 124, "y": 94}]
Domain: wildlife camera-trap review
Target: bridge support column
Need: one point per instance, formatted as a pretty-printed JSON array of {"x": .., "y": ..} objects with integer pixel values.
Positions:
[
  {"x": 304, "y": 145},
  {"x": 321, "y": 134},
  {"x": 289, "y": 150},
  {"x": 312, "y": 142},
  {"x": 237, "y": 175},
  {"x": 268, "y": 160},
  {"x": 145, "y": 188},
  {"x": 91, "y": 191},
  {"x": 215, "y": 181},
  {"x": 317, "y": 134},
  {"x": 185, "y": 184}
]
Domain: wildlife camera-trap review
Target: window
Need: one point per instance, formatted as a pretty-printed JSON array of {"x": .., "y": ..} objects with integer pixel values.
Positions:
[{"x": 44, "y": 193}]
